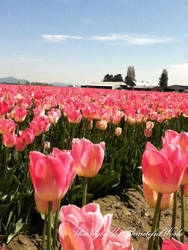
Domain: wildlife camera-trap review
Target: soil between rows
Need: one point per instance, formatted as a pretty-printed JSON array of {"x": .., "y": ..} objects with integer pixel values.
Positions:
[{"x": 130, "y": 212}]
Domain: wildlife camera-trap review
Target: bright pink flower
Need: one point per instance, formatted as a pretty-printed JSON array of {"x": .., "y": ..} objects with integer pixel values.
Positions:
[
  {"x": 27, "y": 135},
  {"x": 148, "y": 132},
  {"x": 163, "y": 170},
  {"x": 86, "y": 229},
  {"x": 20, "y": 113},
  {"x": 9, "y": 140},
  {"x": 52, "y": 174},
  {"x": 173, "y": 245},
  {"x": 88, "y": 157},
  {"x": 42, "y": 206},
  {"x": 182, "y": 140},
  {"x": 54, "y": 115},
  {"x": 151, "y": 197},
  {"x": 4, "y": 107},
  {"x": 74, "y": 116},
  {"x": 7, "y": 126},
  {"x": 20, "y": 144}
]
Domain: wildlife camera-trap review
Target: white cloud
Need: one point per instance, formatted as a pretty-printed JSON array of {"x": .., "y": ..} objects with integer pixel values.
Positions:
[
  {"x": 59, "y": 38},
  {"x": 134, "y": 39}
]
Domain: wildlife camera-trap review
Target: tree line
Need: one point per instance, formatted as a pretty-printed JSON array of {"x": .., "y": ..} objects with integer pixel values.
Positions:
[{"x": 130, "y": 78}]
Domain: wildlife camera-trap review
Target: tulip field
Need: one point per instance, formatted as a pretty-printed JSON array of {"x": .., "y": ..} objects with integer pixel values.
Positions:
[{"x": 64, "y": 146}]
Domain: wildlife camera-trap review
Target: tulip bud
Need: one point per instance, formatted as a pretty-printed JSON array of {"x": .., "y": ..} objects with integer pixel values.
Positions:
[
  {"x": 149, "y": 125},
  {"x": 148, "y": 132},
  {"x": 118, "y": 131},
  {"x": 102, "y": 125},
  {"x": 46, "y": 145}
]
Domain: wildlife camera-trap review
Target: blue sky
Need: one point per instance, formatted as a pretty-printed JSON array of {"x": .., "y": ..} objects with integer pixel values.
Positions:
[{"x": 82, "y": 40}]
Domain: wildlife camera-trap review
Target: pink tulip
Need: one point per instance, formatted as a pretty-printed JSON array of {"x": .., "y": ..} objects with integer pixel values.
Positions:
[
  {"x": 52, "y": 174},
  {"x": 7, "y": 126},
  {"x": 163, "y": 170},
  {"x": 86, "y": 229},
  {"x": 173, "y": 245},
  {"x": 149, "y": 125},
  {"x": 148, "y": 132},
  {"x": 102, "y": 125},
  {"x": 27, "y": 136},
  {"x": 9, "y": 140},
  {"x": 118, "y": 131},
  {"x": 88, "y": 157},
  {"x": 20, "y": 113},
  {"x": 20, "y": 144},
  {"x": 151, "y": 197},
  {"x": 182, "y": 140},
  {"x": 42, "y": 206}
]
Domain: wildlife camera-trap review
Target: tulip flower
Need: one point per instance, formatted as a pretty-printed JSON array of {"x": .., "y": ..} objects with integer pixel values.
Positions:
[
  {"x": 86, "y": 229},
  {"x": 102, "y": 125},
  {"x": 88, "y": 157},
  {"x": 148, "y": 132},
  {"x": 20, "y": 113},
  {"x": 9, "y": 140},
  {"x": 20, "y": 144},
  {"x": 118, "y": 131},
  {"x": 163, "y": 170},
  {"x": 151, "y": 197},
  {"x": 173, "y": 245},
  {"x": 42, "y": 206},
  {"x": 52, "y": 174}
]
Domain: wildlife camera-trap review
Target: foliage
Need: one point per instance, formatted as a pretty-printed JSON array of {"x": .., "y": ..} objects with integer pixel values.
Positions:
[{"x": 163, "y": 80}]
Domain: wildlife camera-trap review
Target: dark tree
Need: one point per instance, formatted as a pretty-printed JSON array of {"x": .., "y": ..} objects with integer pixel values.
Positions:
[
  {"x": 108, "y": 78},
  {"x": 130, "y": 78},
  {"x": 163, "y": 80},
  {"x": 118, "y": 78}
]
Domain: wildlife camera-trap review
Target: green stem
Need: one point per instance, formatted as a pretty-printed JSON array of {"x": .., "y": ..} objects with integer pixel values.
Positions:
[
  {"x": 55, "y": 226},
  {"x": 49, "y": 225},
  {"x": 174, "y": 215},
  {"x": 155, "y": 220},
  {"x": 44, "y": 232},
  {"x": 156, "y": 243},
  {"x": 84, "y": 197},
  {"x": 182, "y": 214}
]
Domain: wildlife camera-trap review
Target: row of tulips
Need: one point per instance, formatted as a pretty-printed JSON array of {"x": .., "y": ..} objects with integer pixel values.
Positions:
[
  {"x": 43, "y": 118},
  {"x": 165, "y": 172},
  {"x": 85, "y": 228}
]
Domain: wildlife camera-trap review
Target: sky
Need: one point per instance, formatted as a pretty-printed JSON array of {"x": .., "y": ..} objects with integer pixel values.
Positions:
[{"x": 80, "y": 41}]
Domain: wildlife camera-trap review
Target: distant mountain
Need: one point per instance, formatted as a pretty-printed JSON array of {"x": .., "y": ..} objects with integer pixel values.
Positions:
[
  {"x": 63, "y": 84},
  {"x": 12, "y": 80}
]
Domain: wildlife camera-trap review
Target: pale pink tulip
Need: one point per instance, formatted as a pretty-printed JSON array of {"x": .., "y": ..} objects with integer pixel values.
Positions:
[
  {"x": 88, "y": 157},
  {"x": 52, "y": 174},
  {"x": 163, "y": 170},
  {"x": 86, "y": 229},
  {"x": 151, "y": 197}
]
